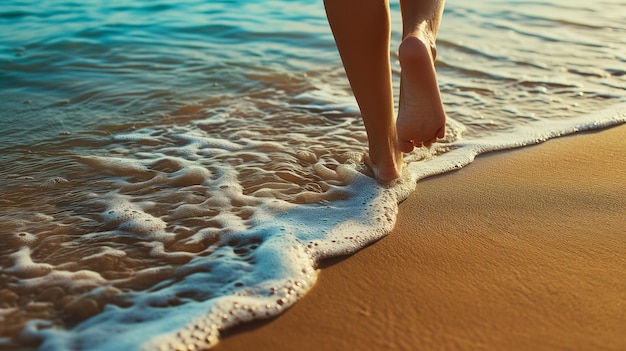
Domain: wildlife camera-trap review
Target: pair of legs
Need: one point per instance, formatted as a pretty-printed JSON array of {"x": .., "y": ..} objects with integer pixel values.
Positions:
[{"x": 362, "y": 33}]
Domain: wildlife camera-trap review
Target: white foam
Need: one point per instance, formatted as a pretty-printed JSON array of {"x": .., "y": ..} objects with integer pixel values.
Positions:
[
  {"x": 131, "y": 218},
  {"x": 463, "y": 151},
  {"x": 114, "y": 164},
  {"x": 24, "y": 267},
  {"x": 105, "y": 251}
]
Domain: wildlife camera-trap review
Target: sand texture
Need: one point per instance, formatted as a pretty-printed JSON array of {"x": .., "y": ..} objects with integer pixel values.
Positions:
[{"x": 521, "y": 250}]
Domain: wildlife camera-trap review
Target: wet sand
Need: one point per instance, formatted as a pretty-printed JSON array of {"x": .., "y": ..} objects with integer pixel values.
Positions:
[{"x": 521, "y": 250}]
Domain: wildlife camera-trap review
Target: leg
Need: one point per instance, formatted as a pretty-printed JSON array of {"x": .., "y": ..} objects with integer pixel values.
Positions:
[
  {"x": 421, "y": 118},
  {"x": 362, "y": 33}
]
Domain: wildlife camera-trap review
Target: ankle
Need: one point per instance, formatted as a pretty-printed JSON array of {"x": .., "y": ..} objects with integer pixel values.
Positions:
[{"x": 385, "y": 162}]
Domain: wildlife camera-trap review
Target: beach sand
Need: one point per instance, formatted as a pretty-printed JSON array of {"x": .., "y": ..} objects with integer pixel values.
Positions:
[{"x": 521, "y": 250}]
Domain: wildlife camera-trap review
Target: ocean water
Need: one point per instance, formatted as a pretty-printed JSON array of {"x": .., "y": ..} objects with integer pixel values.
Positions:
[{"x": 171, "y": 169}]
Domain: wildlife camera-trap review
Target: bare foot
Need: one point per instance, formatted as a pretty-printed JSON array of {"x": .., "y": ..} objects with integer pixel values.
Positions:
[{"x": 421, "y": 118}]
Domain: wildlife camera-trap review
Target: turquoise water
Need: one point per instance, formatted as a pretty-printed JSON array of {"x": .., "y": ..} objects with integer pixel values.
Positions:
[{"x": 172, "y": 169}]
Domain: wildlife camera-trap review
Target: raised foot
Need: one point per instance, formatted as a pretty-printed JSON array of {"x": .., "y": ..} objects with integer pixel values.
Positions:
[{"x": 421, "y": 118}]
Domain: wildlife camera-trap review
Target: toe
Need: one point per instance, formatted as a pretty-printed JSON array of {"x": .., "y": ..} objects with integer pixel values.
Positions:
[
  {"x": 405, "y": 146},
  {"x": 441, "y": 133}
]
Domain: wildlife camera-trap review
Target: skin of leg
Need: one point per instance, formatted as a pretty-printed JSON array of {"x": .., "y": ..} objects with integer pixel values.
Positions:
[
  {"x": 362, "y": 33},
  {"x": 421, "y": 117}
]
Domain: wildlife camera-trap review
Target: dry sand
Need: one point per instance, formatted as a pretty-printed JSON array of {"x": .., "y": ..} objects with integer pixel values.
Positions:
[{"x": 521, "y": 250}]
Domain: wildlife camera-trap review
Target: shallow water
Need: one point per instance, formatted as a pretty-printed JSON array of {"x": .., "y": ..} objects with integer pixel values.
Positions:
[{"x": 171, "y": 169}]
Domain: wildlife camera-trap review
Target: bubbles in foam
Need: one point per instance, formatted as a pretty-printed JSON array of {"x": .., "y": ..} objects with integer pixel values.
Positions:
[
  {"x": 114, "y": 164},
  {"x": 54, "y": 182},
  {"x": 25, "y": 238},
  {"x": 23, "y": 265},
  {"x": 69, "y": 281},
  {"x": 129, "y": 217},
  {"x": 191, "y": 175}
]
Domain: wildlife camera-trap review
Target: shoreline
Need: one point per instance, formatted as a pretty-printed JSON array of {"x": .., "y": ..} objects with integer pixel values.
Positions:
[{"x": 522, "y": 249}]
